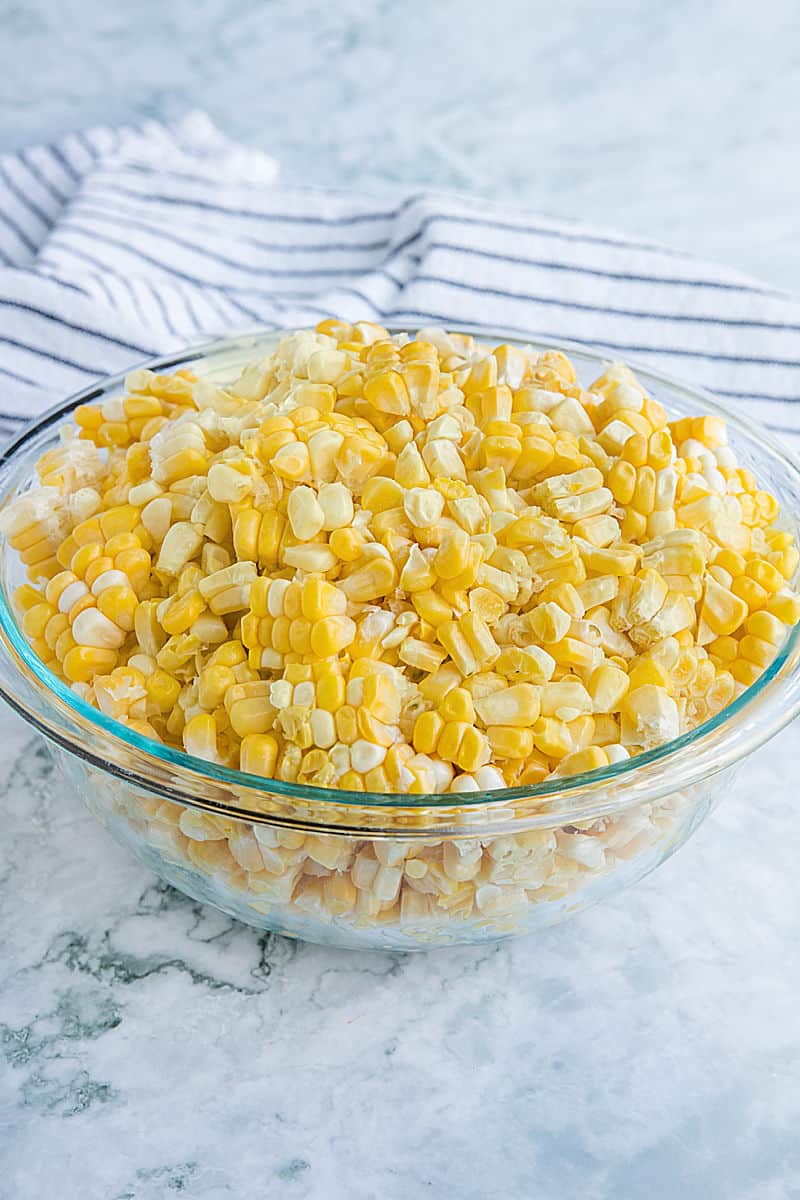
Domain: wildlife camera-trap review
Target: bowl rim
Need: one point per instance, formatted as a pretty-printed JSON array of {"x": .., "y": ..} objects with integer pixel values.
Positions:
[{"x": 708, "y": 748}]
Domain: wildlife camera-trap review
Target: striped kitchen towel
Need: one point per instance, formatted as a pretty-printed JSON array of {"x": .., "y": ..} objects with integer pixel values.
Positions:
[{"x": 120, "y": 244}]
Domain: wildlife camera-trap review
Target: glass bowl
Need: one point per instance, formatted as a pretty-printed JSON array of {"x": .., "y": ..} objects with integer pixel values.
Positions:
[{"x": 395, "y": 872}]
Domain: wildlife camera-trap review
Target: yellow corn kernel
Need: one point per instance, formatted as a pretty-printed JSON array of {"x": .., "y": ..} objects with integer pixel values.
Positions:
[
  {"x": 322, "y": 599},
  {"x": 387, "y": 393},
  {"x": 63, "y": 644},
  {"x": 55, "y": 627},
  {"x": 730, "y": 561},
  {"x": 463, "y": 745},
  {"x": 621, "y": 559},
  {"x": 36, "y": 618},
  {"x": 508, "y": 741},
  {"x": 26, "y": 597},
  {"x": 121, "y": 519},
  {"x": 480, "y": 640},
  {"x": 177, "y": 651},
  {"x": 622, "y": 481},
  {"x": 744, "y": 671},
  {"x": 249, "y": 715},
  {"x": 87, "y": 416},
  {"x": 579, "y": 762},
  {"x": 346, "y": 544},
  {"x": 182, "y": 612},
  {"x": 97, "y": 567},
  {"x": 380, "y": 494},
  {"x": 431, "y": 607},
  {"x": 427, "y": 731},
  {"x": 381, "y": 698},
  {"x": 535, "y": 771},
  {"x": 84, "y": 555},
  {"x": 200, "y": 737},
  {"x": 765, "y": 574},
  {"x": 370, "y": 582},
  {"x": 600, "y": 529},
  {"x": 213, "y": 682},
  {"x": 648, "y": 671},
  {"x": 421, "y": 655},
  {"x": 650, "y": 717},
  {"x": 82, "y": 663},
  {"x": 163, "y": 690},
  {"x": 457, "y": 706},
  {"x": 230, "y": 654},
  {"x": 726, "y": 649},
  {"x": 426, "y": 516},
  {"x": 331, "y": 693},
  {"x": 329, "y": 635},
  {"x": 607, "y": 686},
  {"x": 565, "y": 699},
  {"x": 518, "y": 705},
  {"x": 785, "y": 559},
  {"x": 455, "y": 642},
  {"x": 147, "y": 627},
  {"x": 721, "y": 612},
  {"x": 270, "y": 530},
  {"x": 258, "y": 754},
  {"x": 417, "y": 574},
  {"x": 373, "y": 731},
  {"x": 66, "y": 550},
  {"x": 87, "y": 532},
  {"x": 598, "y": 591},
  {"x": 751, "y": 593},
  {"x": 766, "y": 626},
  {"x": 452, "y": 556},
  {"x": 785, "y": 607},
  {"x": 573, "y": 652},
  {"x": 567, "y": 596},
  {"x": 549, "y": 622},
  {"x": 605, "y": 731},
  {"x": 486, "y": 604},
  {"x": 552, "y": 738},
  {"x": 119, "y": 604}
]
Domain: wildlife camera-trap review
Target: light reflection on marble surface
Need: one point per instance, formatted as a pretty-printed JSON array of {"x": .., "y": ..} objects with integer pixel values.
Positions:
[{"x": 151, "y": 1047}]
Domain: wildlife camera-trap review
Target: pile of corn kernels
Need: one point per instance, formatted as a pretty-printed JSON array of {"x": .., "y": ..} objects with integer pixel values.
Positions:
[{"x": 394, "y": 564}]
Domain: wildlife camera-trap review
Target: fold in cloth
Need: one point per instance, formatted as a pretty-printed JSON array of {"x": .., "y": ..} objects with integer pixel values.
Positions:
[{"x": 118, "y": 244}]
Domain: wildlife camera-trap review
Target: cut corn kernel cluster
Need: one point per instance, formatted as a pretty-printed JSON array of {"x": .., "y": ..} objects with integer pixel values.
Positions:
[
  {"x": 395, "y": 892},
  {"x": 389, "y": 564}
]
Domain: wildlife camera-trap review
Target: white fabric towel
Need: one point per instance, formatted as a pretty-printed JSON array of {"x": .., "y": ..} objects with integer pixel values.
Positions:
[{"x": 116, "y": 245}]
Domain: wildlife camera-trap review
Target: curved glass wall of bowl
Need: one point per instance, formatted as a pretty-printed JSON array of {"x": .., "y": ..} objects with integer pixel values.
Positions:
[{"x": 389, "y": 871}]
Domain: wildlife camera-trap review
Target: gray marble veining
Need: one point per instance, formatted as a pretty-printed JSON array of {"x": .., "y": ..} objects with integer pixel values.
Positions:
[
  {"x": 153, "y": 1046},
  {"x": 150, "y": 1047}
]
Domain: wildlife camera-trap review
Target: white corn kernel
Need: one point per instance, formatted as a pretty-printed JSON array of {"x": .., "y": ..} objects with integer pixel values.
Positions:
[
  {"x": 157, "y": 517},
  {"x": 142, "y": 493},
  {"x": 181, "y": 543},
  {"x": 228, "y": 485},
  {"x": 423, "y": 506},
  {"x": 108, "y": 579},
  {"x": 305, "y": 514},
  {"x": 71, "y": 594},
  {"x": 364, "y": 755},
  {"x": 336, "y": 502},
  {"x": 92, "y": 628},
  {"x": 323, "y": 728}
]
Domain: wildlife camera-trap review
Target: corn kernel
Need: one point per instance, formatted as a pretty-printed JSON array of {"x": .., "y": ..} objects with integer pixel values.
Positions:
[{"x": 357, "y": 590}]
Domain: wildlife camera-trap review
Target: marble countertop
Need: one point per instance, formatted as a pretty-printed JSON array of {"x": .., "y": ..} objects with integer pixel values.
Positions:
[
  {"x": 675, "y": 121},
  {"x": 151, "y": 1047}
]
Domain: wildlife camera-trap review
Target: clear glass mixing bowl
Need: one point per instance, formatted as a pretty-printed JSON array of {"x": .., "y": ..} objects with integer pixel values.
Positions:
[{"x": 392, "y": 871}]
